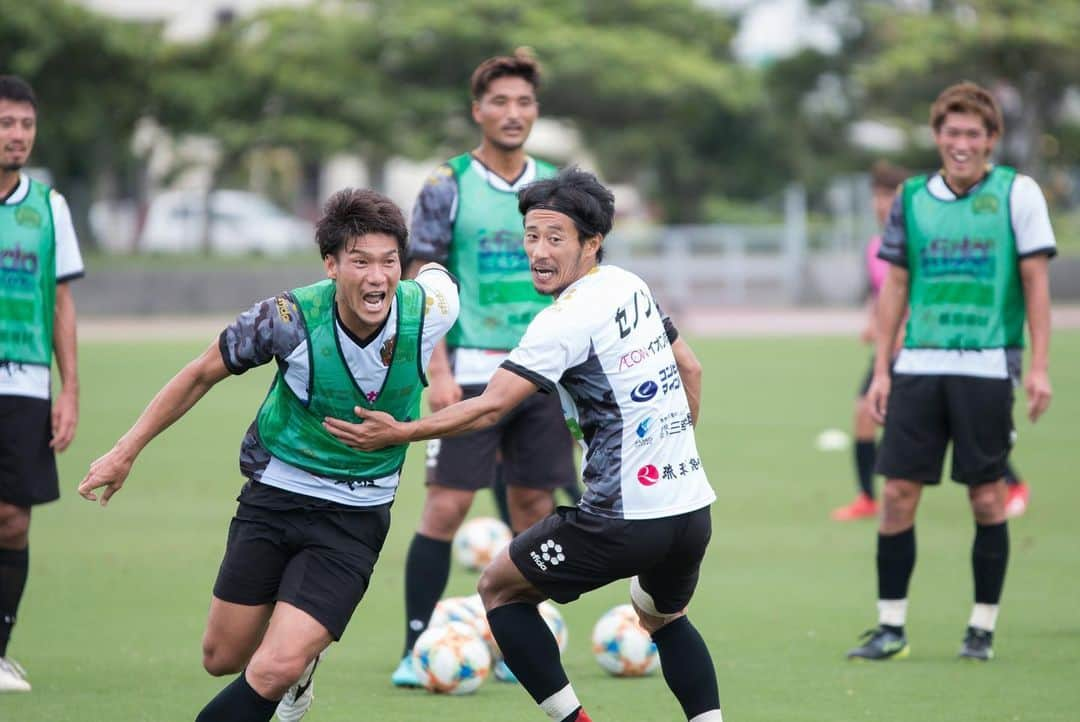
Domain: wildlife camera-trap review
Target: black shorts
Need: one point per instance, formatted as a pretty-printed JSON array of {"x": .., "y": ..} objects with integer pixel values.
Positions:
[
  {"x": 572, "y": 552},
  {"x": 537, "y": 450},
  {"x": 27, "y": 463},
  {"x": 925, "y": 412},
  {"x": 317, "y": 560}
]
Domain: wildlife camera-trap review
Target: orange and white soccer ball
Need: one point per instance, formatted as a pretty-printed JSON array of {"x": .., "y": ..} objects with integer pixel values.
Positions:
[
  {"x": 451, "y": 659},
  {"x": 478, "y": 540},
  {"x": 555, "y": 622},
  {"x": 622, "y": 646}
]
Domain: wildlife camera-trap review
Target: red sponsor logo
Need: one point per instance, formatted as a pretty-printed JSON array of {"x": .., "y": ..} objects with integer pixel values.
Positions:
[{"x": 648, "y": 475}]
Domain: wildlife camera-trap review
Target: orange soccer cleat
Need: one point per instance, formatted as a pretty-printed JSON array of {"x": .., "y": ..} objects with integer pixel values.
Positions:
[{"x": 863, "y": 507}]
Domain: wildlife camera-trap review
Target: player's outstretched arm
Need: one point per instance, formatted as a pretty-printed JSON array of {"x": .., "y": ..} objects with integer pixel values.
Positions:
[
  {"x": 1035, "y": 275},
  {"x": 173, "y": 401},
  {"x": 690, "y": 372},
  {"x": 377, "y": 429}
]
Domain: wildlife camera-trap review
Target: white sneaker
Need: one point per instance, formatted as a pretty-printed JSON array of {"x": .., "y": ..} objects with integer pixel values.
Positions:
[
  {"x": 12, "y": 676},
  {"x": 297, "y": 701}
]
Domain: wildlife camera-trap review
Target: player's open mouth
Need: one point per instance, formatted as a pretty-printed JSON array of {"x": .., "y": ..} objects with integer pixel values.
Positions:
[
  {"x": 374, "y": 301},
  {"x": 543, "y": 274}
]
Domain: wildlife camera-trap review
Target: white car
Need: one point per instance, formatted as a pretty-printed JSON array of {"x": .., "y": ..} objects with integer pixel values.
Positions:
[{"x": 240, "y": 222}]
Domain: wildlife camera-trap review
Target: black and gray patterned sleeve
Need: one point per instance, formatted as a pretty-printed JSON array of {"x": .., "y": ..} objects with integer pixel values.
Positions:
[
  {"x": 433, "y": 217},
  {"x": 894, "y": 239},
  {"x": 271, "y": 328},
  {"x": 669, "y": 325}
]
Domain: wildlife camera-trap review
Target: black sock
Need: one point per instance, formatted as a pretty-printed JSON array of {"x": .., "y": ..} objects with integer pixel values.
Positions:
[
  {"x": 1010, "y": 475},
  {"x": 895, "y": 562},
  {"x": 865, "y": 453},
  {"x": 498, "y": 490},
  {"x": 687, "y": 667},
  {"x": 427, "y": 567},
  {"x": 529, "y": 648},
  {"x": 238, "y": 703},
  {"x": 989, "y": 558},
  {"x": 14, "y": 564}
]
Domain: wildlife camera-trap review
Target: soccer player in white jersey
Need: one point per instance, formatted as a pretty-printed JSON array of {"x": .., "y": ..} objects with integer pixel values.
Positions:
[
  {"x": 631, "y": 390},
  {"x": 39, "y": 255},
  {"x": 314, "y": 513},
  {"x": 969, "y": 250}
]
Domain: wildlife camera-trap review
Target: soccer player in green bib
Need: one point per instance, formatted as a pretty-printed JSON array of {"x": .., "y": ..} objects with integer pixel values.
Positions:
[
  {"x": 314, "y": 513},
  {"x": 969, "y": 249},
  {"x": 39, "y": 255},
  {"x": 467, "y": 218}
]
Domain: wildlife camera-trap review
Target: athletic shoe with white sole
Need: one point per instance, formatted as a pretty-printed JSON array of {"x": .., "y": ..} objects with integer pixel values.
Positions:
[
  {"x": 12, "y": 676},
  {"x": 880, "y": 644},
  {"x": 297, "y": 701}
]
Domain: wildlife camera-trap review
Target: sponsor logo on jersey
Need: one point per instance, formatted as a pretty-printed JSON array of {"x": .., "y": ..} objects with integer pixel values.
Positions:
[
  {"x": 644, "y": 391},
  {"x": 16, "y": 259},
  {"x": 643, "y": 428},
  {"x": 283, "y": 309},
  {"x": 631, "y": 359},
  {"x": 648, "y": 475}
]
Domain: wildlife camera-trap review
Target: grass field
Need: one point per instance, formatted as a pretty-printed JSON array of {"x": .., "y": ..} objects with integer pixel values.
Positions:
[{"x": 111, "y": 622}]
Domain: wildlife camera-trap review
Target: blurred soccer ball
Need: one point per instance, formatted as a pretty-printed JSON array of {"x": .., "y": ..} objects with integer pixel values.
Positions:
[
  {"x": 832, "y": 440},
  {"x": 454, "y": 609},
  {"x": 478, "y": 540},
  {"x": 621, "y": 646},
  {"x": 554, "y": 619},
  {"x": 451, "y": 659}
]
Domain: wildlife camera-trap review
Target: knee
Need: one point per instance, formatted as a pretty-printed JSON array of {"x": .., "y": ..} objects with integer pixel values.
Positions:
[
  {"x": 651, "y": 618},
  {"x": 218, "y": 661},
  {"x": 272, "y": 673},
  {"x": 443, "y": 514},
  {"x": 988, "y": 503},
  {"x": 489, "y": 588},
  {"x": 14, "y": 526},
  {"x": 529, "y": 506}
]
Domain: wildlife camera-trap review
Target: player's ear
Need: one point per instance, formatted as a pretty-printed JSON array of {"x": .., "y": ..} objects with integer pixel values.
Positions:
[
  {"x": 330, "y": 261},
  {"x": 592, "y": 245}
]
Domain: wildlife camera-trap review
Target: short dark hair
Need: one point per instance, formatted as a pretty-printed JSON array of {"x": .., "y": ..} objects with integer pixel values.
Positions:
[
  {"x": 887, "y": 176},
  {"x": 521, "y": 64},
  {"x": 15, "y": 89},
  {"x": 577, "y": 194},
  {"x": 354, "y": 212},
  {"x": 968, "y": 98}
]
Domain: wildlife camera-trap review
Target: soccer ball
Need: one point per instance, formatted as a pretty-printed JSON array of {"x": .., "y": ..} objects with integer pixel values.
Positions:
[
  {"x": 451, "y": 659},
  {"x": 479, "y": 540},
  {"x": 622, "y": 646},
  {"x": 554, "y": 619},
  {"x": 455, "y": 609}
]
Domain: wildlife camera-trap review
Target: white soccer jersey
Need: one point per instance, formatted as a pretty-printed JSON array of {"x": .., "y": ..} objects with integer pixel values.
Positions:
[
  {"x": 33, "y": 379},
  {"x": 603, "y": 348}
]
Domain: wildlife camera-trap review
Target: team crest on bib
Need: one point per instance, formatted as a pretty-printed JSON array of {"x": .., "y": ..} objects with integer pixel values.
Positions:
[
  {"x": 985, "y": 203},
  {"x": 28, "y": 217},
  {"x": 386, "y": 353}
]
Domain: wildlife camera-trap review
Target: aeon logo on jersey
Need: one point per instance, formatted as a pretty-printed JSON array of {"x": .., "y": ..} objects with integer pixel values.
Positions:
[
  {"x": 648, "y": 475},
  {"x": 644, "y": 391}
]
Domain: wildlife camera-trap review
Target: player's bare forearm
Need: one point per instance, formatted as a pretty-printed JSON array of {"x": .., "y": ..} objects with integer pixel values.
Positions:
[
  {"x": 378, "y": 429},
  {"x": 690, "y": 371},
  {"x": 1035, "y": 276},
  {"x": 892, "y": 307},
  {"x": 65, "y": 339},
  {"x": 174, "y": 400}
]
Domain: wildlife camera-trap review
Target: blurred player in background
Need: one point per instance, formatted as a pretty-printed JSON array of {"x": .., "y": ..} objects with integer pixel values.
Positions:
[
  {"x": 37, "y": 324},
  {"x": 467, "y": 218},
  {"x": 885, "y": 178},
  {"x": 314, "y": 513},
  {"x": 969, "y": 249}
]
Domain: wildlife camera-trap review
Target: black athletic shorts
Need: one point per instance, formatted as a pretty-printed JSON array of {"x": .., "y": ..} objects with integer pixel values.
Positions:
[
  {"x": 926, "y": 412},
  {"x": 537, "y": 450},
  {"x": 572, "y": 552},
  {"x": 318, "y": 560},
  {"x": 27, "y": 462}
]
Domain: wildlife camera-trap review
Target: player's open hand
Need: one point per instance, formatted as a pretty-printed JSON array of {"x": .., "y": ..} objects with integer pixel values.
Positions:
[
  {"x": 877, "y": 396},
  {"x": 1037, "y": 386},
  {"x": 376, "y": 430},
  {"x": 65, "y": 415},
  {"x": 107, "y": 473}
]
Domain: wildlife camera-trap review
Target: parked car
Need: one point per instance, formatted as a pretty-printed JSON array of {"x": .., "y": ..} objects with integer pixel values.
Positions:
[{"x": 240, "y": 222}]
